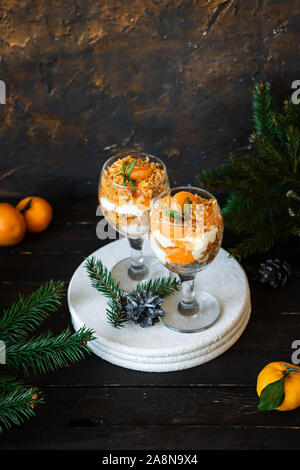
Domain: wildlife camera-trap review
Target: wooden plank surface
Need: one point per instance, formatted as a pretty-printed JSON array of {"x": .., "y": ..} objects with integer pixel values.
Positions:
[{"x": 156, "y": 437}]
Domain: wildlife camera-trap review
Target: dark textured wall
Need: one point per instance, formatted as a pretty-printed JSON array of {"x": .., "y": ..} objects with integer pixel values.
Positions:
[{"x": 87, "y": 77}]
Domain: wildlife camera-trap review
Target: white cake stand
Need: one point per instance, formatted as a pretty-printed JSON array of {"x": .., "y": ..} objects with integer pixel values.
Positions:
[{"x": 157, "y": 348}]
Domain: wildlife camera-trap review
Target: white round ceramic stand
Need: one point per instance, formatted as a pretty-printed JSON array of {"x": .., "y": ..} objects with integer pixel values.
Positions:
[{"x": 158, "y": 348}]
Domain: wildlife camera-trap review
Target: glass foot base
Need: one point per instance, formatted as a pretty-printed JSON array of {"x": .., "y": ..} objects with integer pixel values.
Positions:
[
  {"x": 208, "y": 313},
  {"x": 154, "y": 269}
]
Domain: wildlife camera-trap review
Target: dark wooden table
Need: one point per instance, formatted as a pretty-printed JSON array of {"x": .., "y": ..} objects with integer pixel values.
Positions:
[{"x": 96, "y": 405}]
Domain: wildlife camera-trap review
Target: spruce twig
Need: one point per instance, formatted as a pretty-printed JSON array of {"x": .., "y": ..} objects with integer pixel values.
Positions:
[
  {"x": 25, "y": 315},
  {"x": 101, "y": 280},
  {"x": 263, "y": 113},
  {"x": 264, "y": 188},
  {"x": 18, "y": 405},
  {"x": 160, "y": 286},
  {"x": 47, "y": 352}
]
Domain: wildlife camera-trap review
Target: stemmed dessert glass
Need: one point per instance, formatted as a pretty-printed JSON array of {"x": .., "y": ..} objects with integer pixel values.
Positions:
[
  {"x": 128, "y": 184},
  {"x": 186, "y": 231}
]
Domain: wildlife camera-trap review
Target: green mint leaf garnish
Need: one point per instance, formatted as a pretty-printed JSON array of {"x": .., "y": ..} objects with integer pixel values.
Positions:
[
  {"x": 130, "y": 168},
  {"x": 126, "y": 170},
  {"x": 189, "y": 202},
  {"x": 131, "y": 182},
  {"x": 177, "y": 216}
]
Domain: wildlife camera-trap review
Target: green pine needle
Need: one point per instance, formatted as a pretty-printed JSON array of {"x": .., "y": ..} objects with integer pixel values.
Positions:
[
  {"x": 259, "y": 242},
  {"x": 160, "y": 286},
  {"x": 47, "y": 352},
  {"x": 9, "y": 383},
  {"x": 263, "y": 113},
  {"x": 25, "y": 315},
  {"x": 44, "y": 353},
  {"x": 258, "y": 205},
  {"x": 17, "y": 405},
  {"x": 101, "y": 280}
]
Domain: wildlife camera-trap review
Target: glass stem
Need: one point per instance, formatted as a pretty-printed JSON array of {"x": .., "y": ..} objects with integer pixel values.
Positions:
[
  {"x": 188, "y": 304},
  {"x": 137, "y": 269}
]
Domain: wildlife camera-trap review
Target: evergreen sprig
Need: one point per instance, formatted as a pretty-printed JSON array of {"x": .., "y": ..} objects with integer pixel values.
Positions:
[
  {"x": 44, "y": 353},
  {"x": 101, "y": 280},
  {"x": 263, "y": 203},
  {"x": 17, "y": 405},
  {"x": 47, "y": 352},
  {"x": 263, "y": 113},
  {"x": 160, "y": 286},
  {"x": 25, "y": 315}
]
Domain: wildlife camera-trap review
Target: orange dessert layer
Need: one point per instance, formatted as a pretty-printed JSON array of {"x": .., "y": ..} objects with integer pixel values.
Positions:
[
  {"x": 146, "y": 180},
  {"x": 186, "y": 228}
]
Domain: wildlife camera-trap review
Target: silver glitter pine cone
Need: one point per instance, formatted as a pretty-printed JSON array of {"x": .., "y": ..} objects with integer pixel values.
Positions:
[
  {"x": 275, "y": 272},
  {"x": 144, "y": 308}
]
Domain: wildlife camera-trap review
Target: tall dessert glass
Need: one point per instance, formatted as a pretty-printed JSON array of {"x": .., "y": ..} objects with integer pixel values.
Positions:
[
  {"x": 128, "y": 184},
  {"x": 186, "y": 231}
]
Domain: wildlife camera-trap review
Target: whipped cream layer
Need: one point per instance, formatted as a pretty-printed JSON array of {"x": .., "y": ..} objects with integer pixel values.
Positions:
[
  {"x": 199, "y": 244},
  {"x": 129, "y": 209},
  {"x": 159, "y": 253},
  {"x": 133, "y": 230}
]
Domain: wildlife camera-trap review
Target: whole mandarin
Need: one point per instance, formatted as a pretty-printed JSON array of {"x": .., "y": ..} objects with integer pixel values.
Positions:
[
  {"x": 273, "y": 372},
  {"x": 12, "y": 225},
  {"x": 37, "y": 212}
]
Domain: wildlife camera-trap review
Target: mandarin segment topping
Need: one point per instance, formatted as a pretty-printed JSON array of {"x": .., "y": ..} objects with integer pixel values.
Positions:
[
  {"x": 141, "y": 173},
  {"x": 179, "y": 255},
  {"x": 172, "y": 231},
  {"x": 181, "y": 198}
]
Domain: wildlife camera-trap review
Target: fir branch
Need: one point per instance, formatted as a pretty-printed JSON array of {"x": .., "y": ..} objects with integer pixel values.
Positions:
[
  {"x": 18, "y": 405},
  {"x": 259, "y": 204},
  {"x": 8, "y": 383},
  {"x": 263, "y": 113},
  {"x": 293, "y": 147},
  {"x": 44, "y": 353},
  {"x": 28, "y": 312},
  {"x": 47, "y": 352},
  {"x": 115, "y": 312},
  {"x": 235, "y": 174},
  {"x": 273, "y": 154},
  {"x": 101, "y": 280},
  {"x": 291, "y": 113},
  {"x": 259, "y": 242},
  {"x": 160, "y": 286}
]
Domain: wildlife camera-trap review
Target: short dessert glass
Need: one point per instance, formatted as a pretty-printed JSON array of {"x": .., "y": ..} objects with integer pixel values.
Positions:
[
  {"x": 125, "y": 203},
  {"x": 186, "y": 231}
]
